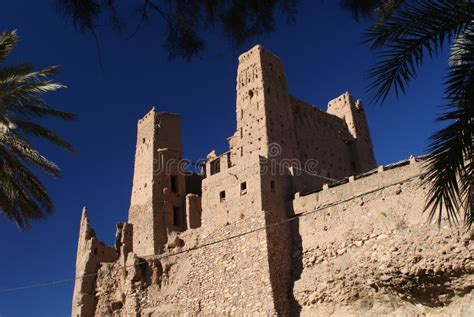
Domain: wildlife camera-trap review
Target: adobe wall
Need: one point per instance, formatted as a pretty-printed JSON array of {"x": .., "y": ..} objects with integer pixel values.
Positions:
[
  {"x": 231, "y": 277},
  {"x": 373, "y": 253},
  {"x": 237, "y": 204},
  {"x": 240, "y": 274},
  {"x": 324, "y": 137}
]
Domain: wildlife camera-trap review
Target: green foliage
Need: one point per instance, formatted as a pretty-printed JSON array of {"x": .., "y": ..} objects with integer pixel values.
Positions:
[
  {"x": 22, "y": 195},
  {"x": 407, "y": 33}
]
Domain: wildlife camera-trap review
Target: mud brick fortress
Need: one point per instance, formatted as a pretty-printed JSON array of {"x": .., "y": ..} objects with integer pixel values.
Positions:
[{"x": 295, "y": 219}]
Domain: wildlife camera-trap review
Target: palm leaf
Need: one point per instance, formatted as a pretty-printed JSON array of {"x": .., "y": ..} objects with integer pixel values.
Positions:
[
  {"x": 416, "y": 30},
  {"x": 22, "y": 148},
  {"x": 22, "y": 195},
  {"x": 8, "y": 40},
  {"x": 34, "y": 129},
  {"x": 450, "y": 167}
]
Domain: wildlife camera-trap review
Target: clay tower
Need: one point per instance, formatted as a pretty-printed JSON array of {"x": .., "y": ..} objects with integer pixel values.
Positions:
[
  {"x": 264, "y": 117},
  {"x": 158, "y": 190}
]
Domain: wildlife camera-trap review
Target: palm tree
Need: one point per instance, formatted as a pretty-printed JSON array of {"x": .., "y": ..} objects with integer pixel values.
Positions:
[
  {"x": 404, "y": 32},
  {"x": 22, "y": 195}
]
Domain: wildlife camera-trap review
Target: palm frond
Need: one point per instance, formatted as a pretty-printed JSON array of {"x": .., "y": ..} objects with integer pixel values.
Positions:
[
  {"x": 23, "y": 176},
  {"x": 37, "y": 130},
  {"x": 414, "y": 31},
  {"x": 8, "y": 41},
  {"x": 450, "y": 165},
  {"x": 22, "y": 148},
  {"x": 15, "y": 203},
  {"x": 16, "y": 70},
  {"x": 22, "y": 195}
]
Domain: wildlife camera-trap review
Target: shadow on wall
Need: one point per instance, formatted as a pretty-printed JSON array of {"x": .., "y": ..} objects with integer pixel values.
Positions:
[
  {"x": 284, "y": 258},
  {"x": 296, "y": 261}
]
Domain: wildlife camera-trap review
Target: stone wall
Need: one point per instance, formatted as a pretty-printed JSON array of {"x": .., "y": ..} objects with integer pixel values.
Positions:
[
  {"x": 323, "y": 137},
  {"x": 365, "y": 248},
  {"x": 359, "y": 248},
  {"x": 229, "y": 277}
]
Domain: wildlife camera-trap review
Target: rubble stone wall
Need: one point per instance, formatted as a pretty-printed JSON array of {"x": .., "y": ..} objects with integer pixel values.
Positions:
[{"x": 366, "y": 248}]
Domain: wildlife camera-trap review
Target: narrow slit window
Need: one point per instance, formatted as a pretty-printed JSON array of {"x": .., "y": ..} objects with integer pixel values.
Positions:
[
  {"x": 272, "y": 186},
  {"x": 177, "y": 217},
  {"x": 229, "y": 160},
  {"x": 174, "y": 183},
  {"x": 243, "y": 188},
  {"x": 222, "y": 196}
]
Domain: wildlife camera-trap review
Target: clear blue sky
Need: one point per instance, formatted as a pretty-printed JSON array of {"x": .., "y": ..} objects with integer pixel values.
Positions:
[{"x": 323, "y": 58}]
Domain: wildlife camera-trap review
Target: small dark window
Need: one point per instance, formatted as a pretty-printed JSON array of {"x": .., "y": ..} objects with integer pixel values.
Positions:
[
  {"x": 250, "y": 93},
  {"x": 143, "y": 140},
  {"x": 215, "y": 166},
  {"x": 243, "y": 188},
  {"x": 229, "y": 160},
  {"x": 222, "y": 196},
  {"x": 272, "y": 186},
  {"x": 174, "y": 183},
  {"x": 177, "y": 217}
]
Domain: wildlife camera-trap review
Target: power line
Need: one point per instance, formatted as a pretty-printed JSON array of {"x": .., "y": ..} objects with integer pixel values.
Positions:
[{"x": 159, "y": 257}]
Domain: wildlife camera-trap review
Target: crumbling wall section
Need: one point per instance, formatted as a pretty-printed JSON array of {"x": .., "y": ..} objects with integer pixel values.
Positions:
[{"x": 90, "y": 253}]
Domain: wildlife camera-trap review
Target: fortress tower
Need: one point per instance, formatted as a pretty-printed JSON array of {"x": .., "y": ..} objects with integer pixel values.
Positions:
[
  {"x": 158, "y": 191},
  {"x": 262, "y": 108},
  {"x": 352, "y": 112},
  {"x": 247, "y": 192},
  {"x": 274, "y": 124}
]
